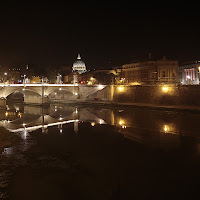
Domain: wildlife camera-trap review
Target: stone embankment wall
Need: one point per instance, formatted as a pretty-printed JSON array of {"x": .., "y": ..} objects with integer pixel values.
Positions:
[{"x": 166, "y": 95}]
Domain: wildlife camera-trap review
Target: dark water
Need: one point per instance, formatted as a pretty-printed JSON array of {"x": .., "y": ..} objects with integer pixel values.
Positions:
[{"x": 100, "y": 153}]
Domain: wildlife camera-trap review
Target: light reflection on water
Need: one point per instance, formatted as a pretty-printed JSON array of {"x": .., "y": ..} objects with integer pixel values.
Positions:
[
  {"x": 153, "y": 128},
  {"x": 133, "y": 123}
]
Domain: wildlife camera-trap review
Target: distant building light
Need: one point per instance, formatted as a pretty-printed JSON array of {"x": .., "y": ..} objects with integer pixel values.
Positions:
[
  {"x": 188, "y": 77},
  {"x": 135, "y": 83}
]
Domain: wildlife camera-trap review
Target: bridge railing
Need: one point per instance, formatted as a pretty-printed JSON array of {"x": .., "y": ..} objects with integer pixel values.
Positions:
[{"x": 36, "y": 85}]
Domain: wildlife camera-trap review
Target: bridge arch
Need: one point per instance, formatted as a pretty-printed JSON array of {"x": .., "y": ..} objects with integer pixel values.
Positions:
[
  {"x": 62, "y": 94},
  {"x": 15, "y": 96},
  {"x": 50, "y": 90},
  {"x": 6, "y": 91}
]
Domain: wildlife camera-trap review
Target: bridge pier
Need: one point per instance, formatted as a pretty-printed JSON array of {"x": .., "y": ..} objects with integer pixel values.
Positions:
[{"x": 2, "y": 103}]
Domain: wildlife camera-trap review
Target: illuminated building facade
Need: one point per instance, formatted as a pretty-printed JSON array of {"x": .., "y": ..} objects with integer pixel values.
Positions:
[
  {"x": 189, "y": 73},
  {"x": 150, "y": 72}
]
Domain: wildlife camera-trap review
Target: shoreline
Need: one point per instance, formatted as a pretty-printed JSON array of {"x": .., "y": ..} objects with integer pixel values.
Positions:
[
  {"x": 110, "y": 104},
  {"x": 135, "y": 105}
]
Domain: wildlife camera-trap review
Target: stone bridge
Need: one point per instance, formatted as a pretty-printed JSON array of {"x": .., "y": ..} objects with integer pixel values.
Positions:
[{"x": 41, "y": 93}]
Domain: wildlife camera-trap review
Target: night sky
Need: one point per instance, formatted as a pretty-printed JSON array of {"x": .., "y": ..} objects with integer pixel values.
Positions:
[{"x": 105, "y": 34}]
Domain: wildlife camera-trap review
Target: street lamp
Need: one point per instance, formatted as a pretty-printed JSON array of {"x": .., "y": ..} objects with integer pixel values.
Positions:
[
  {"x": 199, "y": 73},
  {"x": 24, "y": 78},
  {"x": 5, "y": 76}
]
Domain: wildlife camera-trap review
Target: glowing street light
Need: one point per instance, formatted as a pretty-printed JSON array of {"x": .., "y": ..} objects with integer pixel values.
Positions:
[
  {"x": 120, "y": 89},
  {"x": 166, "y": 128},
  {"x": 165, "y": 89},
  {"x": 92, "y": 123}
]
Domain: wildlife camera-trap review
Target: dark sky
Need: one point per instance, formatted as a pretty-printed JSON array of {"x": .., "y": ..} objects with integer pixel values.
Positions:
[{"x": 105, "y": 34}]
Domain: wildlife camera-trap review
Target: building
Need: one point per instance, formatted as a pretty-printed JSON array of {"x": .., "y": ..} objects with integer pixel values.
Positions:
[
  {"x": 150, "y": 72},
  {"x": 35, "y": 79},
  {"x": 79, "y": 66},
  {"x": 10, "y": 75},
  {"x": 189, "y": 73}
]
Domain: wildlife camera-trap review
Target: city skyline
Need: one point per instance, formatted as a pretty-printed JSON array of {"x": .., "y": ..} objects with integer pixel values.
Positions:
[{"x": 105, "y": 35}]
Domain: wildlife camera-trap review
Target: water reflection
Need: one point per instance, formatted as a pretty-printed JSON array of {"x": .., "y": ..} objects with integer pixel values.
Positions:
[
  {"x": 143, "y": 126},
  {"x": 104, "y": 141}
]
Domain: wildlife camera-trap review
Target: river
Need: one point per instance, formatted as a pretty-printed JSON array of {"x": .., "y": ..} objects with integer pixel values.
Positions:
[{"x": 96, "y": 152}]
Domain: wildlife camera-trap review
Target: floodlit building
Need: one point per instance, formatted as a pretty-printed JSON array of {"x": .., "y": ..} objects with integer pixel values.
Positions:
[
  {"x": 189, "y": 73},
  {"x": 79, "y": 66},
  {"x": 150, "y": 71},
  {"x": 35, "y": 79}
]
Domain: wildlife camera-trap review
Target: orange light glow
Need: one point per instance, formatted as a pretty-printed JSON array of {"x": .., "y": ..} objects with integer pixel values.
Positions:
[
  {"x": 165, "y": 89},
  {"x": 120, "y": 89},
  {"x": 92, "y": 123}
]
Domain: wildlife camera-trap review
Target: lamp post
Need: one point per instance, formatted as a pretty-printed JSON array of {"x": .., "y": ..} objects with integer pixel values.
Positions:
[
  {"x": 199, "y": 73},
  {"x": 5, "y": 79},
  {"x": 24, "y": 79},
  {"x": 42, "y": 90}
]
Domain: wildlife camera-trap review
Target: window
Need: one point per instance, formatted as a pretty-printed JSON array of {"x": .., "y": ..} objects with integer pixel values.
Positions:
[{"x": 163, "y": 74}]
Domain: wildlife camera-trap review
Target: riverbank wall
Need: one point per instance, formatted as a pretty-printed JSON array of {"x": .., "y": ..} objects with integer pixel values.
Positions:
[{"x": 160, "y": 95}]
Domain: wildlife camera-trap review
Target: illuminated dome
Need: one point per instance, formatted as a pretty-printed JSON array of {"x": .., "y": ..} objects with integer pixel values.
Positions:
[{"x": 79, "y": 65}]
